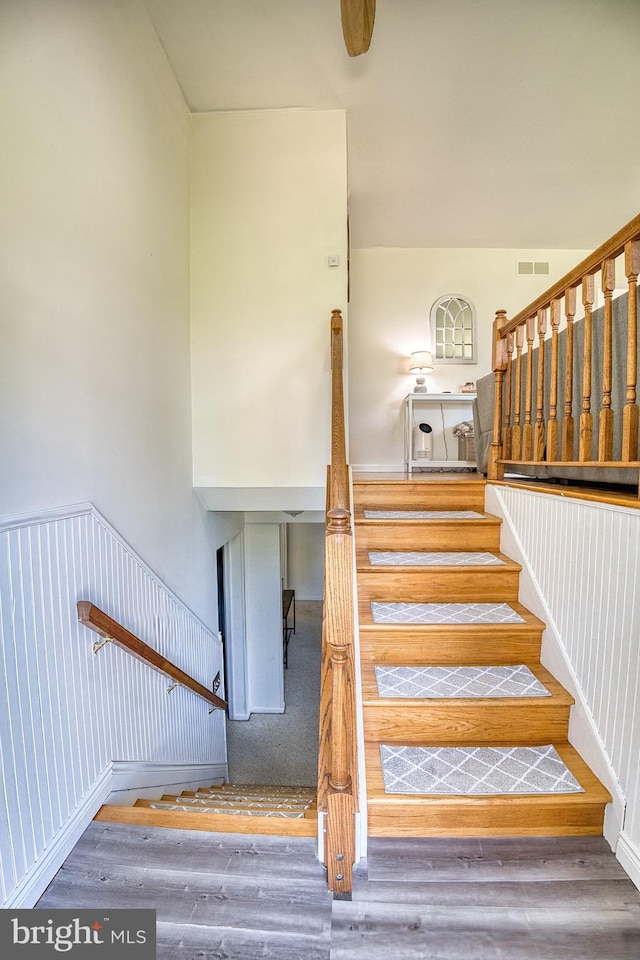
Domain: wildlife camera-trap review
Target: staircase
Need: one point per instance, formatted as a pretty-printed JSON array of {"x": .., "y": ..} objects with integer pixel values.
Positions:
[
  {"x": 229, "y": 808},
  {"x": 465, "y": 731}
]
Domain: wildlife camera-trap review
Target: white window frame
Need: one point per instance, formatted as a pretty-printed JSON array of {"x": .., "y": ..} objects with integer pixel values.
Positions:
[{"x": 465, "y": 332}]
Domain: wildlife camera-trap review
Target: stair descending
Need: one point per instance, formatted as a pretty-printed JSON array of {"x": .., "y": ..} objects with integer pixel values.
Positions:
[
  {"x": 229, "y": 808},
  {"x": 466, "y": 733}
]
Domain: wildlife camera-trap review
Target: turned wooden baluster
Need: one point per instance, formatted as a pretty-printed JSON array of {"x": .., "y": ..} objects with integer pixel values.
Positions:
[
  {"x": 567, "y": 420},
  {"x": 516, "y": 430},
  {"x": 586, "y": 417},
  {"x": 527, "y": 438},
  {"x": 538, "y": 446},
  {"x": 495, "y": 469},
  {"x": 552, "y": 426},
  {"x": 605, "y": 436},
  {"x": 507, "y": 445},
  {"x": 630, "y": 409}
]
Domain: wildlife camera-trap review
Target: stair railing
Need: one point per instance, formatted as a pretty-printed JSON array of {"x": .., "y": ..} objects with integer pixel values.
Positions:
[
  {"x": 113, "y": 632},
  {"x": 337, "y": 770},
  {"x": 536, "y": 416}
]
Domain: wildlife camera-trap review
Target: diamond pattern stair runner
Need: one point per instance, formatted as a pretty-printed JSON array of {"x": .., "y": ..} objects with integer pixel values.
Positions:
[
  {"x": 425, "y": 558},
  {"x": 444, "y": 613},
  {"x": 248, "y": 804},
  {"x": 470, "y": 771},
  {"x": 423, "y": 515},
  {"x": 229, "y": 811},
  {"x": 438, "y": 682}
]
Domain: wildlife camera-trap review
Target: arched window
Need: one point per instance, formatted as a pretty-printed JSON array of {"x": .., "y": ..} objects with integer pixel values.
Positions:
[{"x": 453, "y": 330}]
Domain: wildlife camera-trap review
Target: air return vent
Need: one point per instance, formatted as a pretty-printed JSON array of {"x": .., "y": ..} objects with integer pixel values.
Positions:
[{"x": 532, "y": 268}]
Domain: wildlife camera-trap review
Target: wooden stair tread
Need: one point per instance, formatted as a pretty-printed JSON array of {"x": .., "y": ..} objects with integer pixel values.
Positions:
[
  {"x": 364, "y": 565},
  {"x": 486, "y": 519},
  {"x": 202, "y": 802},
  {"x": 211, "y": 823},
  {"x": 594, "y": 791},
  {"x": 367, "y": 623},
  {"x": 370, "y": 688},
  {"x": 456, "y": 721}
]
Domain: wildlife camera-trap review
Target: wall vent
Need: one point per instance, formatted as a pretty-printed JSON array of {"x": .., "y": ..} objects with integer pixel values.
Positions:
[{"x": 532, "y": 268}]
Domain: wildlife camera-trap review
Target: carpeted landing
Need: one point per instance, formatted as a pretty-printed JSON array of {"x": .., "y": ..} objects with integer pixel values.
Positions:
[{"x": 470, "y": 771}]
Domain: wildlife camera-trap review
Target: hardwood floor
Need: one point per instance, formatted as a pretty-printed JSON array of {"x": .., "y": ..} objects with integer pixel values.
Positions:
[{"x": 242, "y": 897}]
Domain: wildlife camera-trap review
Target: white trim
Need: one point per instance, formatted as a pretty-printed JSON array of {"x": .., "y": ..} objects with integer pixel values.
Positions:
[
  {"x": 629, "y": 857},
  {"x": 118, "y": 776},
  {"x": 583, "y": 732},
  {"x": 45, "y": 516},
  {"x": 134, "y": 775},
  {"x": 398, "y": 467},
  {"x": 36, "y": 881},
  {"x": 52, "y": 514}
]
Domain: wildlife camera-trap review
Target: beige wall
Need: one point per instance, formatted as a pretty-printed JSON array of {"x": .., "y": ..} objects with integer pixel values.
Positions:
[
  {"x": 268, "y": 209},
  {"x": 95, "y": 393},
  {"x": 392, "y": 291}
]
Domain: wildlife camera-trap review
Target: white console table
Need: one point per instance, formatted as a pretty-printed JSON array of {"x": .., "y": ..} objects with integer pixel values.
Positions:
[{"x": 440, "y": 400}]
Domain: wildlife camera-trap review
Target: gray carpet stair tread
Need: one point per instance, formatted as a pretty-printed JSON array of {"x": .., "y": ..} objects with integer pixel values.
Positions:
[
  {"x": 443, "y": 613},
  {"x": 423, "y": 515},
  {"x": 246, "y": 811},
  {"x": 475, "y": 771},
  {"x": 515, "y": 680},
  {"x": 433, "y": 558}
]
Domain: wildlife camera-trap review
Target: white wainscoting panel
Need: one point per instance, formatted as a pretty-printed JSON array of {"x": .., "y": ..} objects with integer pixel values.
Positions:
[
  {"x": 585, "y": 557},
  {"x": 66, "y": 713}
]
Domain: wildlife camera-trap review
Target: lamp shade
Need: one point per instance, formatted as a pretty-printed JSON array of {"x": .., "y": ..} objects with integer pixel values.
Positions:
[{"x": 421, "y": 362}]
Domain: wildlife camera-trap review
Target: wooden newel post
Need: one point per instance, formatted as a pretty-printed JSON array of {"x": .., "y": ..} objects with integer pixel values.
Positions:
[{"x": 495, "y": 469}]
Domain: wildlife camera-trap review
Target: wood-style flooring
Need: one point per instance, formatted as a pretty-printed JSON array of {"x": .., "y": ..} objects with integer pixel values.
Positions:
[{"x": 242, "y": 897}]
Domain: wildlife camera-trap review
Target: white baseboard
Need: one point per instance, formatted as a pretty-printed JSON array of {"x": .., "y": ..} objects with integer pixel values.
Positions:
[
  {"x": 119, "y": 778},
  {"x": 44, "y": 870},
  {"x": 150, "y": 780},
  {"x": 629, "y": 856}
]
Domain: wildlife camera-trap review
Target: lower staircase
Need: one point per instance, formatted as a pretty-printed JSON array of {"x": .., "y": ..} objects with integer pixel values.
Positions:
[
  {"x": 466, "y": 733},
  {"x": 228, "y": 808}
]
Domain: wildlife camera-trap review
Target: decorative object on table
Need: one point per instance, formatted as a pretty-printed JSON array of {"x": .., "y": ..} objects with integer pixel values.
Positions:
[
  {"x": 466, "y": 440},
  {"x": 421, "y": 362},
  {"x": 469, "y": 387}
]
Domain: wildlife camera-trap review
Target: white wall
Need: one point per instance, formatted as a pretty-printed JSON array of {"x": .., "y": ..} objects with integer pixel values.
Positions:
[
  {"x": 392, "y": 291},
  {"x": 66, "y": 714},
  {"x": 95, "y": 276},
  {"x": 263, "y": 616},
  {"x": 305, "y": 562},
  {"x": 583, "y": 560},
  {"x": 268, "y": 208}
]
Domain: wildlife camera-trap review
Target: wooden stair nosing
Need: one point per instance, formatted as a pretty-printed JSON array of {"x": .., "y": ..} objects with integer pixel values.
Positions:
[{"x": 209, "y": 823}]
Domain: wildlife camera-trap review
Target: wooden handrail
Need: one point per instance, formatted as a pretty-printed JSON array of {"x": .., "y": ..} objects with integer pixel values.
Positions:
[
  {"x": 337, "y": 764},
  {"x": 608, "y": 250},
  {"x": 102, "y": 624},
  {"x": 546, "y": 441}
]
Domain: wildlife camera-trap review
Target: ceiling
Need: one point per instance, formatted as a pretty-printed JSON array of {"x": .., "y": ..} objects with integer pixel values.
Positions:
[{"x": 470, "y": 123}]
